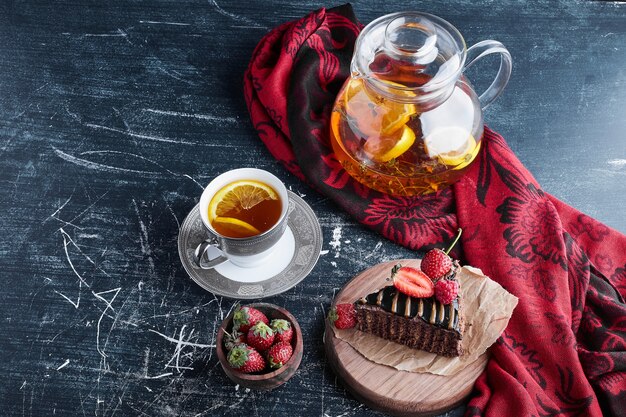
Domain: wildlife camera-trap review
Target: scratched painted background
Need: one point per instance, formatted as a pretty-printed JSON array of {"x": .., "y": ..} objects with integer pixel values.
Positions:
[{"x": 114, "y": 116}]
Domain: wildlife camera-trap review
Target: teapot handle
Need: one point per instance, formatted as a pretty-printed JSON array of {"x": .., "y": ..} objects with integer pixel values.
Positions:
[{"x": 485, "y": 48}]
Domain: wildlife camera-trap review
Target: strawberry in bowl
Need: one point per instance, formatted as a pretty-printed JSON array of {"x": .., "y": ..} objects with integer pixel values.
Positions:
[{"x": 259, "y": 346}]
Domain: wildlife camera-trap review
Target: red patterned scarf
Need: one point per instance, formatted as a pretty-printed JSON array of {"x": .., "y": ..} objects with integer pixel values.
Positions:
[{"x": 564, "y": 351}]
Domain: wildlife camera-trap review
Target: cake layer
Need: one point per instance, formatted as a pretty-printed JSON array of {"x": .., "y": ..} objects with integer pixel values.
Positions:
[
  {"x": 428, "y": 309},
  {"x": 413, "y": 332}
]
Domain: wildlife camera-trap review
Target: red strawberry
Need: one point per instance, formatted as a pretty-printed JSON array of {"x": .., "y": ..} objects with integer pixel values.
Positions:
[
  {"x": 233, "y": 339},
  {"x": 260, "y": 336},
  {"x": 343, "y": 316},
  {"x": 246, "y": 317},
  {"x": 436, "y": 264},
  {"x": 413, "y": 282},
  {"x": 446, "y": 290},
  {"x": 282, "y": 330},
  {"x": 246, "y": 359},
  {"x": 279, "y": 354}
]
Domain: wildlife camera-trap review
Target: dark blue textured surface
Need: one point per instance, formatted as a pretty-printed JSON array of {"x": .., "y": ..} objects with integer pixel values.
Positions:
[{"x": 114, "y": 116}]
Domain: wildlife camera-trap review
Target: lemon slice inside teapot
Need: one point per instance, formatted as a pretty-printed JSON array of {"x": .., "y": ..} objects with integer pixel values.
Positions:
[{"x": 453, "y": 146}]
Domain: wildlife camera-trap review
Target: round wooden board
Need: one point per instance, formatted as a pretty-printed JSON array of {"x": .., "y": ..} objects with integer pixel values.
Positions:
[{"x": 385, "y": 388}]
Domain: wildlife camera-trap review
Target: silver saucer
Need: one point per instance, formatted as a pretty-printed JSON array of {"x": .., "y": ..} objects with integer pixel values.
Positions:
[{"x": 308, "y": 244}]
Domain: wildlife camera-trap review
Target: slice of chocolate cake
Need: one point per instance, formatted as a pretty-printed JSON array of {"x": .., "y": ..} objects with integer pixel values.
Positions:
[{"x": 419, "y": 323}]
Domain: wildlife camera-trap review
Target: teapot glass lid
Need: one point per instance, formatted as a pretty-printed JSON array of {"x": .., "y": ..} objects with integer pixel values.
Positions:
[{"x": 411, "y": 50}]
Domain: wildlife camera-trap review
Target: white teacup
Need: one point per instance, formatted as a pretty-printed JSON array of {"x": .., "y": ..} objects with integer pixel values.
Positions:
[{"x": 247, "y": 252}]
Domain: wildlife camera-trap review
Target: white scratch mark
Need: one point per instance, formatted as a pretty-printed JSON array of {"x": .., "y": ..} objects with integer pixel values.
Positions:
[
  {"x": 66, "y": 240},
  {"x": 174, "y": 361},
  {"x": 336, "y": 242},
  {"x": 619, "y": 163},
  {"x": 171, "y": 74},
  {"x": 168, "y": 315},
  {"x": 75, "y": 304},
  {"x": 146, "y": 361},
  {"x": 17, "y": 116},
  {"x": 67, "y": 361},
  {"x": 234, "y": 16},
  {"x": 180, "y": 341},
  {"x": 209, "y": 117},
  {"x": 130, "y": 154},
  {"x": 90, "y": 206},
  {"x": 89, "y": 236},
  {"x": 58, "y": 209},
  {"x": 125, "y": 36},
  {"x": 65, "y": 235},
  {"x": 219, "y": 304},
  {"x": 143, "y": 238},
  {"x": 102, "y": 167},
  {"x": 23, "y": 385},
  {"x": 172, "y": 211},
  {"x": 108, "y": 306},
  {"x": 334, "y": 264},
  {"x": 158, "y": 377},
  {"x": 118, "y": 34},
  {"x": 153, "y": 22},
  {"x": 149, "y": 390},
  {"x": 138, "y": 135},
  {"x": 324, "y": 252},
  {"x": 350, "y": 411},
  {"x": 73, "y": 115},
  {"x": 379, "y": 244},
  {"x": 46, "y": 84},
  {"x": 192, "y": 179},
  {"x": 247, "y": 27},
  {"x": 213, "y": 333},
  {"x": 97, "y": 166},
  {"x": 121, "y": 116}
]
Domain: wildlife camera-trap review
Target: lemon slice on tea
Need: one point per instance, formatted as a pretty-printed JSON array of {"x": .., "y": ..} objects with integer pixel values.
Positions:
[
  {"x": 242, "y": 194},
  {"x": 453, "y": 146},
  {"x": 234, "y": 227},
  {"x": 386, "y": 148}
]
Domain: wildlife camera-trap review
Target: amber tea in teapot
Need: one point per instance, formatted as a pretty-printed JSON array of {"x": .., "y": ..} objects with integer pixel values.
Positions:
[{"x": 407, "y": 121}]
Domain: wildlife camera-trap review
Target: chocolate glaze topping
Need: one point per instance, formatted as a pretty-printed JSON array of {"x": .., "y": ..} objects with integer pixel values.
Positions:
[{"x": 428, "y": 309}]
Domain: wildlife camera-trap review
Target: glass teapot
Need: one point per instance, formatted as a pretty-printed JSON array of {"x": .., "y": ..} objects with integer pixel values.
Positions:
[{"x": 408, "y": 121}]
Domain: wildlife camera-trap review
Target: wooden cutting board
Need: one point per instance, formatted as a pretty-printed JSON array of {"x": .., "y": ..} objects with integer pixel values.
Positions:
[{"x": 382, "y": 387}]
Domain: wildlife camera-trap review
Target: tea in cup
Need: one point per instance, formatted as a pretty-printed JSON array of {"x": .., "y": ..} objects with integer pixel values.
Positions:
[{"x": 245, "y": 213}]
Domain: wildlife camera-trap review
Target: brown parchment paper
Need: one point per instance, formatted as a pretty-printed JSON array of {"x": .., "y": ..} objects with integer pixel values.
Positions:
[{"x": 487, "y": 309}]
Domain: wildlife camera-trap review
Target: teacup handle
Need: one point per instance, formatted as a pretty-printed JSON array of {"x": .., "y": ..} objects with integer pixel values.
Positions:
[
  {"x": 200, "y": 254},
  {"x": 485, "y": 48}
]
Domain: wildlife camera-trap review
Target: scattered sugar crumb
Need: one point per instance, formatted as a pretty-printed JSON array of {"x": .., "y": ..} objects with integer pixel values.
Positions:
[{"x": 336, "y": 242}]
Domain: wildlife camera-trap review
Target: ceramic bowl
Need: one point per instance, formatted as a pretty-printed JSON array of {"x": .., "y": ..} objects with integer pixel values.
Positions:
[{"x": 270, "y": 379}]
